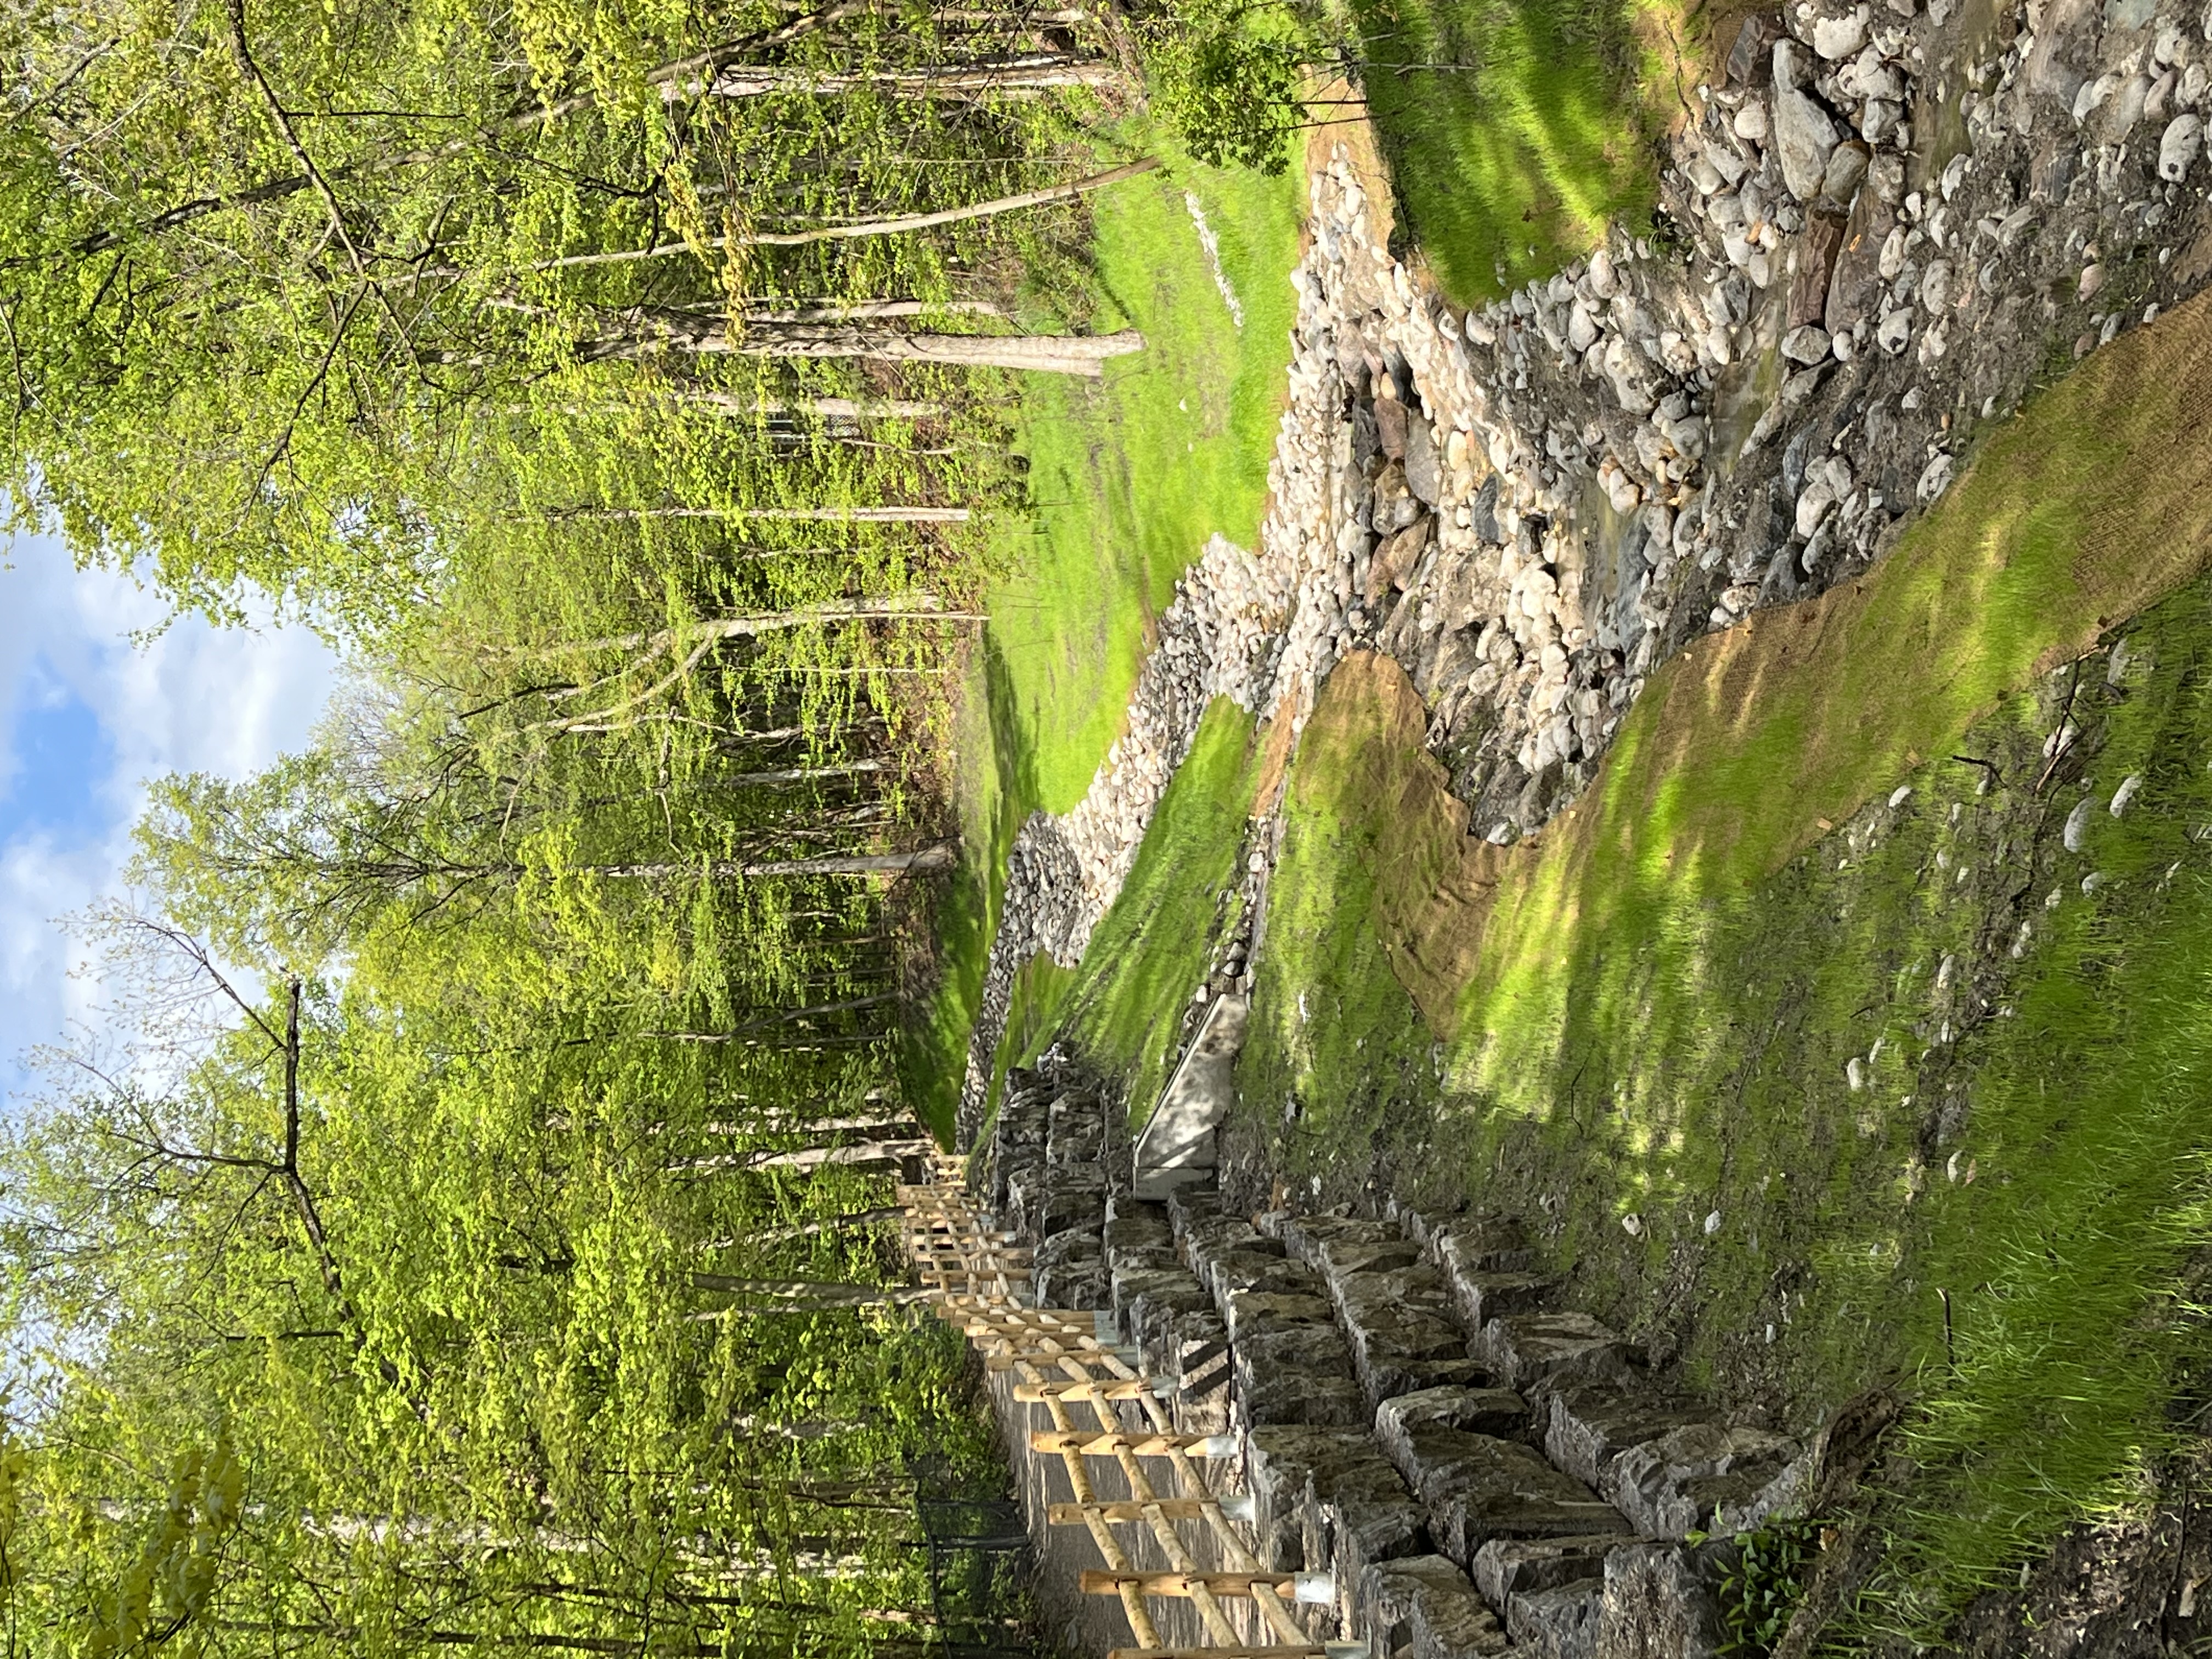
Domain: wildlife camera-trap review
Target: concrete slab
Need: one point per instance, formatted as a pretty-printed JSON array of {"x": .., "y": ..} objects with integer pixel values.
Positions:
[{"x": 1177, "y": 1145}]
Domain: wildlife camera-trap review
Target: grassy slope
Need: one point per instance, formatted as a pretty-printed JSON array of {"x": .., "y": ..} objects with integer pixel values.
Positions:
[
  {"x": 1654, "y": 1009},
  {"x": 1129, "y": 476},
  {"x": 1508, "y": 168},
  {"x": 1122, "y": 1007}
]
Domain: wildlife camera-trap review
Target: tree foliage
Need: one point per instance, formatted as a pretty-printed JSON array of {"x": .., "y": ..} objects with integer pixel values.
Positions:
[{"x": 420, "y": 1259}]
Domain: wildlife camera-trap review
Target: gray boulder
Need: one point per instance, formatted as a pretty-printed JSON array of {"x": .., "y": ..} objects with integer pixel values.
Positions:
[{"x": 1805, "y": 137}]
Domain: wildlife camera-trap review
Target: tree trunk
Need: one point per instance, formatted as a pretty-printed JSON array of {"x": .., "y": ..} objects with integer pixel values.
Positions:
[
  {"x": 1048, "y": 353},
  {"x": 782, "y": 515},
  {"x": 938, "y": 855},
  {"x": 796, "y": 775},
  {"x": 829, "y": 409},
  {"x": 889, "y": 607},
  {"x": 1021, "y": 75},
  {"x": 1084, "y": 355},
  {"x": 829, "y": 1224},
  {"x": 894, "y": 225},
  {"x": 808, "y": 1157},
  {"x": 785, "y": 1017}
]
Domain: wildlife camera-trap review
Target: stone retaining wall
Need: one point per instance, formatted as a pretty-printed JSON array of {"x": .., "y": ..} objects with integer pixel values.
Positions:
[{"x": 1480, "y": 1469}]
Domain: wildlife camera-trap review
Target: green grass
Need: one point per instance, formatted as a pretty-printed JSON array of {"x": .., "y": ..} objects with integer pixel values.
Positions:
[
  {"x": 1123, "y": 1007},
  {"x": 1653, "y": 1012},
  {"x": 1128, "y": 477},
  {"x": 1331, "y": 1023},
  {"x": 1511, "y": 168}
]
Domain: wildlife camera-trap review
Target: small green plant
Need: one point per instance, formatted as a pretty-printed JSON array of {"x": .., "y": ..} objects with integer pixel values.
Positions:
[{"x": 1761, "y": 1587}]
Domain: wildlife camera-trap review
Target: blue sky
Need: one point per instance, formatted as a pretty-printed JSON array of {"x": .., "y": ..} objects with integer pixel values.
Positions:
[{"x": 89, "y": 715}]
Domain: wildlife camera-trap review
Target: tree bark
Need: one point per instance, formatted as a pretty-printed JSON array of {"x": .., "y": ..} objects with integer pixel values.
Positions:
[
  {"x": 886, "y": 607},
  {"x": 1028, "y": 74},
  {"x": 1049, "y": 353},
  {"x": 784, "y": 1016},
  {"x": 831, "y": 1225},
  {"x": 809, "y": 1157},
  {"x": 894, "y": 225},
  {"x": 781, "y": 514},
  {"x": 938, "y": 855},
  {"x": 796, "y": 775}
]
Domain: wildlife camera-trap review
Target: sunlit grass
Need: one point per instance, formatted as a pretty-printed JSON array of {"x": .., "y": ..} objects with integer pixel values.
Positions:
[
  {"x": 1125, "y": 1005},
  {"x": 1128, "y": 476},
  {"x": 1516, "y": 130}
]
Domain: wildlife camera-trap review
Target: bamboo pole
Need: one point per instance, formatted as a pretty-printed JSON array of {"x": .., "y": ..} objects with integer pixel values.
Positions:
[
  {"x": 1090, "y": 1388},
  {"x": 1181, "y": 1586},
  {"x": 1126, "y": 1510},
  {"x": 1104, "y": 1442}
]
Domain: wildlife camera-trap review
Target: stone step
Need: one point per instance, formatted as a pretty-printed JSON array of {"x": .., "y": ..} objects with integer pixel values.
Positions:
[
  {"x": 1288, "y": 1361},
  {"x": 1424, "y": 1608},
  {"x": 1075, "y": 1128},
  {"x": 1480, "y": 1296},
  {"x": 1475, "y": 1487},
  {"x": 1294, "y": 1469},
  {"x": 1329, "y": 1499},
  {"x": 1506, "y": 1567},
  {"x": 1483, "y": 1267},
  {"x": 1243, "y": 1271},
  {"x": 1397, "y": 1343},
  {"x": 1587, "y": 1425},
  {"x": 1452, "y": 1465},
  {"x": 1358, "y": 1256},
  {"x": 1069, "y": 1268},
  {"x": 1190, "y": 1208},
  {"x": 1151, "y": 1303},
  {"x": 1499, "y": 1413},
  {"x": 1257, "y": 1309},
  {"x": 1044, "y": 1199},
  {"x": 1561, "y": 1622},
  {"x": 1309, "y": 1237},
  {"x": 1395, "y": 1310},
  {"x": 1523, "y": 1350},
  {"x": 1138, "y": 1235},
  {"x": 1662, "y": 1602}
]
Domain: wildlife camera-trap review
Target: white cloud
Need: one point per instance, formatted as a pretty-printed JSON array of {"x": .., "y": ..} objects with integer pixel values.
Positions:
[{"x": 189, "y": 698}]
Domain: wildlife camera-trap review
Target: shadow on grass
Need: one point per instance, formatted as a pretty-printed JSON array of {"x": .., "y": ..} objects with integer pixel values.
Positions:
[{"x": 1516, "y": 130}]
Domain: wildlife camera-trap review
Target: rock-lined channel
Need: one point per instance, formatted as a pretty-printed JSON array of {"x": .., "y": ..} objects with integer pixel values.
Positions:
[{"x": 1873, "y": 239}]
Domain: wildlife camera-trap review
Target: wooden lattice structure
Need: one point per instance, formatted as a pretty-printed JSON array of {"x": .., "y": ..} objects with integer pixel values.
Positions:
[{"x": 980, "y": 1278}]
